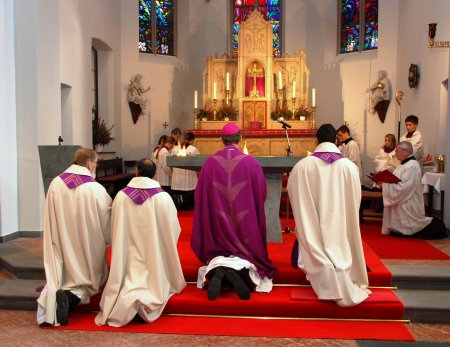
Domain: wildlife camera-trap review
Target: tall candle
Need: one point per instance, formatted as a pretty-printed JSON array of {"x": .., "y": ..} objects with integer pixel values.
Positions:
[
  {"x": 313, "y": 97},
  {"x": 293, "y": 89},
  {"x": 195, "y": 99},
  {"x": 215, "y": 91},
  {"x": 280, "y": 82},
  {"x": 228, "y": 81}
]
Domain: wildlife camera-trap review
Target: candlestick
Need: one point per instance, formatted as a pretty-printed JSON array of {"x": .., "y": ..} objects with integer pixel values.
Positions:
[
  {"x": 196, "y": 120},
  {"x": 215, "y": 90},
  {"x": 313, "y": 97},
  {"x": 227, "y": 97},
  {"x": 293, "y": 89},
  {"x": 195, "y": 99},
  {"x": 280, "y": 99},
  {"x": 215, "y": 105},
  {"x": 228, "y": 81},
  {"x": 293, "y": 108},
  {"x": 313, "y": 117},
  {"x": 280, "y": 81}
]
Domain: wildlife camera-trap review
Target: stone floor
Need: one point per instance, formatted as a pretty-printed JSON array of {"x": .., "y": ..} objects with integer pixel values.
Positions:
[{"x": 18, "y": 328}]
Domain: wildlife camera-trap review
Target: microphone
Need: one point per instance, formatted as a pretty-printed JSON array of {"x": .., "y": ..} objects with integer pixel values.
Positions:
[{"x": 281, "y": 120}]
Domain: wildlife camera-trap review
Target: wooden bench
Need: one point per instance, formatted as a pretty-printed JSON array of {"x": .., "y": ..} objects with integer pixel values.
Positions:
[
  {"x": 110, "y": 175},
  {"x": 367, "y": 195}
]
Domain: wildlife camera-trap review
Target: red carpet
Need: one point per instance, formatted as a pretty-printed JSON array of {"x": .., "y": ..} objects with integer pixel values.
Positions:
[
  {"x": 388, "y": 247},
  {"x": 288, "y": 301}
]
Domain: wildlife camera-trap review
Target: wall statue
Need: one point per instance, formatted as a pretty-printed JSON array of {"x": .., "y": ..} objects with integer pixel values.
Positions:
[
  {"x": 136, "y": 98},
  {"x": 380, "y": 95}
]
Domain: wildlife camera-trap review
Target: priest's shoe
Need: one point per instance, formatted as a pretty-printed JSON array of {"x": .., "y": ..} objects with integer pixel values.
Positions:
[
  {"x": 238, "y": 283},
  {"x": 62, "y": 307},
  {"x": 215, "y": 284}
]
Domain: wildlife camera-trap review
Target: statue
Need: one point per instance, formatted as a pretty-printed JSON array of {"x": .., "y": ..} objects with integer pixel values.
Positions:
[
  {"x": 380, "y": 95},
  {"x": 136, "y": 98}
]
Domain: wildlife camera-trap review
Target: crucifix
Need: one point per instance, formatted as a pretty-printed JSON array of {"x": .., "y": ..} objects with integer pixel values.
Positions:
[{"x": 254, "y": 93}]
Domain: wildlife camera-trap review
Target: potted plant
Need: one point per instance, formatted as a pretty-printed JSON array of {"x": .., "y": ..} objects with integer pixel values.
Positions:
[
  {"x": 227, "y": 113},
  {"x": 101, "y": 134}
]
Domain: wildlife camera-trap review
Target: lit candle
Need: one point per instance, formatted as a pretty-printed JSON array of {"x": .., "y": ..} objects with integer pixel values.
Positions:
[
  {"x": 293, "y": 89},
  {"x": 195, "y": 99},
  {"x": 280, "y": 82},
  {"x": 215, "y": 91},
  {"x": 228, "y": 81},
  {"x": 313, "y": 97}
]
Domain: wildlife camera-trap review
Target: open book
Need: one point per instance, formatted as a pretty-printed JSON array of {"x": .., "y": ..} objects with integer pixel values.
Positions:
[{"x": 384, "y": 176}]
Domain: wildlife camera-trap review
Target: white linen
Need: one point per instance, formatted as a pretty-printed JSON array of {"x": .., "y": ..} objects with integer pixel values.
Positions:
[
  {"x": 404, "y": 210},
  {"x": 416, "y": 141},
  {"x": 182, "y": 179},
  {"x": 350, "y": 150},
  {"x": 262, "y": 284},
  {"x": 437, "y": 180},
  {"x": 76, "y": 230},
  {"x": 145, "y": 267},
  {"x": 325, "y": 201}
]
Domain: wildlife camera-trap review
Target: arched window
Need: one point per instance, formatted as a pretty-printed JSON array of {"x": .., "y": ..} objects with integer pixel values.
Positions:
[
  {"x": 271, "y": 9},
  {"x": 157, "y": 27},
  {"x": 354, "y": 15}
]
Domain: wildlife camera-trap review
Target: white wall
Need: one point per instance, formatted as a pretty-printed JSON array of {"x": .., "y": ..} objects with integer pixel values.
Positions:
[{"x": 8, "y": 130}]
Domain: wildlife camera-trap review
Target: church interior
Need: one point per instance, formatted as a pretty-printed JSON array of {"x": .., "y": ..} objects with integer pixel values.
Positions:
[{"x": 67, "y": 63}]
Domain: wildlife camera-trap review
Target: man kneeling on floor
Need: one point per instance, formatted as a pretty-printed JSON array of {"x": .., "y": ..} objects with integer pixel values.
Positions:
[
  {"x": 229, "y": 230},
  {"x": 145, "y": 267}
]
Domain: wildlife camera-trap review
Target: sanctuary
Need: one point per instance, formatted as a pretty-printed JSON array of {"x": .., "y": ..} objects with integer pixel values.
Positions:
[{"x": 254, "y": 91}]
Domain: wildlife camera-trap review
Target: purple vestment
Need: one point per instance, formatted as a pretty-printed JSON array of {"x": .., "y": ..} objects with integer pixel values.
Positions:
[
  {"x": 74, "y": 180},
  {"x": 140, "y": 195},
  {"x": 329, "y": 157},
  {"x": 229, "y": 216}
]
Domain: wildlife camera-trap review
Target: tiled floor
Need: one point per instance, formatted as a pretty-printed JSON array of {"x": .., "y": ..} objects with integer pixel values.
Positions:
[{"x": 18, "y": 328}]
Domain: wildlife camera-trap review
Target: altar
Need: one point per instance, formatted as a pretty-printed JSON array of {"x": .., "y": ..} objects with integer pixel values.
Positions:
[{"x": 254, "y": 91}]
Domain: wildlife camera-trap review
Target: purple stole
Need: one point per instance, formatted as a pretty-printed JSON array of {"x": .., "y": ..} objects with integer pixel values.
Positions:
[
  {"x": 73, "y": 181},
  {"x": 139, "y": 195},
  {"x": 329, "y": 157}
]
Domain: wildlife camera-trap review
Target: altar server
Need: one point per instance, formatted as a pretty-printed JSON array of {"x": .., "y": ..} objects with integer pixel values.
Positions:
[
  {"x": 325, "y": 193},
  {"x": 229, "y": 229},
  {"x": 76, "y": 230},
  {"x": 145, "y": 266},
  {"x": 414, "y": 136},
  {"x": 404, "y": 212}
]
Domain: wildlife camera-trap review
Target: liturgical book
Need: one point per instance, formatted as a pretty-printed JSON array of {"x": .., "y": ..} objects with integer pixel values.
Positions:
[{"x": 384, "y": 176}]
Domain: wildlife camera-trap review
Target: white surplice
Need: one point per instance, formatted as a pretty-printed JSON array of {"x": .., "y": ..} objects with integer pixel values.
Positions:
[
  {"x": 145, "y": 267},
  {"x": 404, "y": 209},
  {"x": 385, "y": 161},
  {"x": 325, "y": 201},
  {"x": 350, "y": 150},
  {"x": 76, "y": 230},
  {"x": 182, "y": 179}
]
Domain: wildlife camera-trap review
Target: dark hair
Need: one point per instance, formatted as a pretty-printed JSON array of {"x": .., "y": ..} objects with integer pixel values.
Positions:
[
  {"x": 189, "y": 136},
  {"x": 231, "y": 139},
  {"x": 169, "y": 139},
  {"x": 176, "y": 131},
  {"x": 392, "y": 139},
  {"x": 412, "y": 119},
  {"x": 343, "y": 129},
  {"x": 326, "y": 133},
  {"x": 161, "y": 142},
  {"x": 146, "y": 168}
]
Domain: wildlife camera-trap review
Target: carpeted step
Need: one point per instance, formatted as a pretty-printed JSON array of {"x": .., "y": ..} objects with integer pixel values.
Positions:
[
  {"x": 421, "y": 277},
  {"x": 285, "y": 301},
  {"x": 20, "y": 262},
  {"x": 426, "y": 306}
]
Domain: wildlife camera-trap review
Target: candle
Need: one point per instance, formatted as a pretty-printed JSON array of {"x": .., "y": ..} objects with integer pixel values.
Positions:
[
  {"x": 228, "y": 81},
  {"x": 215, "y": 91},
  {"x": 293, "y": 89},
  {"x": 195, "y": 99},
  {"x": 280, "y": 82},
  {"x": 313, "y": 98}
]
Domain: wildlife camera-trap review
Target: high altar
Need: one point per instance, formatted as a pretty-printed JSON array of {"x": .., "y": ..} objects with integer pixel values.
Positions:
[{"x": 260, "y": 88}]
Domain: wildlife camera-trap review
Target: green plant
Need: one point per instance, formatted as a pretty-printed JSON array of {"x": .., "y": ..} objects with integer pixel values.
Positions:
[
  {"x": 205, "y": 113},
  {"x": 101, "y": 134},
  {"x": 227, "y": 111}
]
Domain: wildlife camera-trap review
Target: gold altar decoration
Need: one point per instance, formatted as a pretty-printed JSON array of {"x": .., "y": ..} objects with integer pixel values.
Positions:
[
  {"x": 432, "y": 27},
  {"x": 440, "y": 160}
]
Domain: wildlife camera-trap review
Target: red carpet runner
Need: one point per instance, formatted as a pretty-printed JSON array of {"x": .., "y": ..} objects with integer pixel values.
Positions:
[{"x": 237, "y": 317}]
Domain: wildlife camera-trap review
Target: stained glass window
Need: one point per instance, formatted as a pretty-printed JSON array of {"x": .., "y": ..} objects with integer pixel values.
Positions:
[
  {"x": 271, "y": 9},
  {"x": 358, "y": 25},
  {"x": 156, "y": 27}
]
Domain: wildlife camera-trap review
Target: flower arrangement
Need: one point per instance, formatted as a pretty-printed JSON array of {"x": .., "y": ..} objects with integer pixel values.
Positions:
[
  {"x": 205, "y": 113},
  {"x": 101, "y": 134},
  {"x": 302, "y": 111},
  {"x": 286, "y": 114},
  {"x": 227, "y": 112}
]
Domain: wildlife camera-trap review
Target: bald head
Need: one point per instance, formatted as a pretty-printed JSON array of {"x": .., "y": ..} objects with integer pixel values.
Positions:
[
  {"x": 146, "y": 168},
  {"x": 403, "y": 150}
]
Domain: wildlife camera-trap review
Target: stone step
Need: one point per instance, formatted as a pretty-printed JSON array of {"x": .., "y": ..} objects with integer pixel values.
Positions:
[
  {"x": 421, "y": 277},
  {"x": 426, "y": 306},
  {"x": 20, "y": 262},
  {"x": 19, "y": 294}
]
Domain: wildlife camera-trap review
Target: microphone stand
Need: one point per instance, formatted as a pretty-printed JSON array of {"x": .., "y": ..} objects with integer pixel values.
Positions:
[{"x": 287, "y": 229}]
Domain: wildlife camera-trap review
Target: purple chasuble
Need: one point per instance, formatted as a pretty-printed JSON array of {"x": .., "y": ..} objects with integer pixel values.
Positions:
[
  {"x": 229, "y": 217},
  {"x": 329, "y": 157},
  {"x": 139, "y": 195},
  {"x": 74, "y": 180}
]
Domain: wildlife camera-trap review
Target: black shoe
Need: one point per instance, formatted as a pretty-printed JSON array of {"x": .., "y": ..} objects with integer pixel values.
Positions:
[
  {"x": 239, "y": 285},
  {"x": 62, "y": 307},
  {"x": 215, "y": 284}
]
